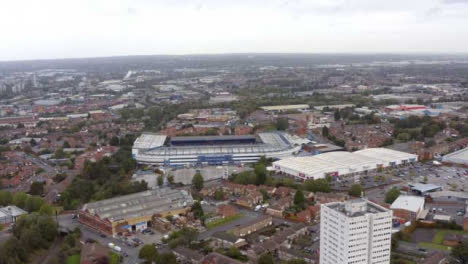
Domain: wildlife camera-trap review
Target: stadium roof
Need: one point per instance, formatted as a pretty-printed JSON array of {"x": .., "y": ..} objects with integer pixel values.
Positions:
[
  {"x": 271, "y": 142},
  {"x": 410, "y": 203},
  {"x": 388, "y": 155},
  {"x": 140, "y": 204},
  {"x": 149, "y": 140},
  {"x": 459, "y": 157},
  {"x": 211, "y": 138}
]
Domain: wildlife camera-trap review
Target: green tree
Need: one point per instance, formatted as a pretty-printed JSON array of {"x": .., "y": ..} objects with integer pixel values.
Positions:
[
  {"x": 6, "y": 198},
  {"x": 325, "y": 132},
  {"x": 66, "y": 144},
  {"x": 299, "y": 199},
  {"x": 170, "y": 179},
  {"x": 265, "y": 259},
  {"x": 19, "y": 199},
  {"x": 59, "y": 153},
  {"x": 460, "y": 253},
  {"x": 337, "y": 115},
  {"x": 114, "y": 141},
  {"x": 36, "y": 188},
  {"x": 33, "y": 203},
  {"x": 425, "y": 179},
  {"x": 160, "y": 180},
  {"x": 260, "y": 173},
  {"x": 392, "y": 195},
  {"x": 296, "y": 261},
  {"x": 197, "y": 210},
  {"x": 148, "y": 253},
  {"x": 167, "y": 258},
  {"x": 197, "y": 181},
  {"x": 218, "y": 194},
  {"x": 355, "y": 190},
  {"x": 319, "y": 185},
  {"x": 47, "y": 209},
  {"x": 282, "y": 124}
]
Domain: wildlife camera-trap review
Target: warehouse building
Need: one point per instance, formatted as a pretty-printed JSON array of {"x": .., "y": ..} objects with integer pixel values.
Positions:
[
  {"x": 10, "y": 214},
  {"x": 341, "y": 163},
  {"x": 459, "y": 157},
  {"x": 212, "y": 150},
  {"x": 134, "y": 212},
  {"x": 283, "y": 108},
  {"x": 407, "y": 208}
]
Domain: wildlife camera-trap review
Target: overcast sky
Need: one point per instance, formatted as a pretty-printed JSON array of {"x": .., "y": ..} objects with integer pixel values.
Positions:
[{"x": 33, "y": 29}]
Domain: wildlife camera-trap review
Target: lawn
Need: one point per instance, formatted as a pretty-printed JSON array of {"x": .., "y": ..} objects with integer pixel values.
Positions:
[
  {"x": 114, "y": 258},
  {"x": 73, "y": 259},
  {"x": 440, "y": 235},
  {"x": 434, "y": 246},
  {"x": 223, "y": 221}
]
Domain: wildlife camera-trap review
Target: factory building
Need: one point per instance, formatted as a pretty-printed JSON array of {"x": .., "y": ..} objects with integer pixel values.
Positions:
[
  {"x": 134, "y": 212},
  {"x": 341, "y": 163}
]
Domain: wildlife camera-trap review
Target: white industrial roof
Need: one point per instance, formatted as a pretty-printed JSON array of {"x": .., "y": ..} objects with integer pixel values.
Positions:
[
  {"x": 148, "y": 141},
  {"x": 460, "y": 157},
  {"x": 410, "y": 203},
  {"x": 389, "y": 155},
  {"x": 328, "y": 162},
  {"x": 12, "y": 210},
  {"x": 284, "y": 107}
]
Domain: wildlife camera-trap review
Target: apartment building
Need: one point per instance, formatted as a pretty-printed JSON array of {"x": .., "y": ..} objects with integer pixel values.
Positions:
[{"x": 355, "y": 232}]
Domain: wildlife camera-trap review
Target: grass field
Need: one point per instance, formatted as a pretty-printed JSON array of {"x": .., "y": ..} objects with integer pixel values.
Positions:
[
  {"x": 114, "y": 258},
  {"x": 74, "y": 259},
  {"x": 223, "y": 221},
  {"x": 434, "y": 246},
  {"x": 440, "y": 235}
]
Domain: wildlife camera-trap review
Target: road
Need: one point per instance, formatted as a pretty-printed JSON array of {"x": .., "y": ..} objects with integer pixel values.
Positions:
[{"x": 66, "y": 221}]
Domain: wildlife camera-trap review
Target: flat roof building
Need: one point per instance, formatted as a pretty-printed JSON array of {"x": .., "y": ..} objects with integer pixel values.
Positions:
[
  {"x": 423, "y": 189},
  {"x": 281, "y": 108},
  {"x": 408, "y": 207},
  {"x": 341, "y": 163},
  {"x": 459, "y": 157},
  {"x": 134, "y": 211}
]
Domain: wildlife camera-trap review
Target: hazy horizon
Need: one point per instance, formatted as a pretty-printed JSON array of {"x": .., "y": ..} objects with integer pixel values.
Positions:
[{"x": 54, "y": 29}]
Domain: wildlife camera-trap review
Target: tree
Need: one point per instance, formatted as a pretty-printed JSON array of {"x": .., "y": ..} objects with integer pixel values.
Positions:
[
  {"x": 325, "y": 132},
  {"x": 265, "y": 259},
  {"x": 170, "y": 179},
  {"x": 319, "y": 185},
  {"x": 355, "y": 190},
  {"x": 167, "y": 258},
  {"x": 460, "y": 253},
  {"x": 59, "y": 153},
  {"x": 160, "y": 180},
  {"x": 114, "y": 141},
  {"x": 148, "y": 253},
  {"x": 198, "y": 181},
  {"x": 33, "y": 203},
  {"x": 282, "y": 124},
  {"x": 19, "y": 199},
  {"x": 299, "y": 199},
  {"x": 260, "y": 173},
  {"x": 66, "y": 144},
  {"x": 218, "y": 194},
  {"x": 392, "y": 195},
  {"x": 197, "y": 210},
  {"x": 36, "y": 188},
  {"x": 46, "y": 209},
  {"x": 337, "y": 115},
  {"x": 5, "y": 198},
  {"x": 296, "y": 261},
  {"x": 425, "y": 179}
]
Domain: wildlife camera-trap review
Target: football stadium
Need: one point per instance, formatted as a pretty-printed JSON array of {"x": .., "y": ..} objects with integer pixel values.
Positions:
[{"x": 211, "y": 150}]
